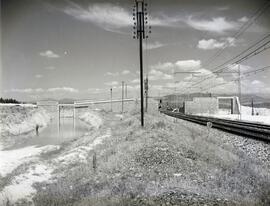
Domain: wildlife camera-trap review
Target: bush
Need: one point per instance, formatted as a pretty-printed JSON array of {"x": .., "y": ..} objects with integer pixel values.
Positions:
[{"x": 14, "y": 101}]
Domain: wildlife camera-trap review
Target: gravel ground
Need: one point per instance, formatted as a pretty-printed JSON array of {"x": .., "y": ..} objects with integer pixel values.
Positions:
[{"x": 253, "y": 148}]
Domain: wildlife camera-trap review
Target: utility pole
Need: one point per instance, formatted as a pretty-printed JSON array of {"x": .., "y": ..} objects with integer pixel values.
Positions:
[
  {"x": 239, "y": 89},
  {"x": 59, "y": 115},
  {"x": 146, "y": 93},
  {"x": 111, "y": 99},
  {"x": 123, "y": 96},
  {"x": 252, "y": 106},
  {"x": 140, "y": 18},
  {"x": 126, "y": 92},
  {"x": 174, "y": 74}
]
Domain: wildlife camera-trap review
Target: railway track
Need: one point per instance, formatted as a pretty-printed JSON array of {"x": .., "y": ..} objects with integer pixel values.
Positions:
[{"x": 243, "y": 128}]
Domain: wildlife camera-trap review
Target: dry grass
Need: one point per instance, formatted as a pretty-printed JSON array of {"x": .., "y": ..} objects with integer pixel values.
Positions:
[{"x": 164, "y": 163}]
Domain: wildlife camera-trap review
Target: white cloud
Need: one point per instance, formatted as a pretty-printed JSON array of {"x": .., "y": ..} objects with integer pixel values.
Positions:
[
  {"x": 254, "y": 86},
  {"x": 38, "y": 76},
  {"x": 129, "y": 87},
  {"x": 49, "y": 54},
  {"x": 217, "y": 24},
  {"x": 115, "y": 74},
  {"x": 177, "y": 85},
  {"x": 210, "y": 44},
  {"x": 243, "y": 68},
  {"x": 125, "y": 72},
  {"x": 113, "y": 17},
  {"x": 156, "y": 87},
  {"x": 223, "y": 8},
  {"x": 134, "y": 87},
  {"x": 203, "y": 72},
  {"x": 229, "y": 40},
  {"x": 62, "y": 89},
  {"x": 179, "y": 65},
  {"x": 212, "y": 84},
  {"x": 167, "y": 21},
  {"x": 105, "y": 15},
  {"x": 113, "y": 83},
  {"x": 216, "y": 82},
  {"x": 163, "y": 66},
  {"x": 154, "y": 45},
  {"x": 215, "y": 44},
  {"x": 235, "y": 68},
  {"x": 243, "y": 19},
  {"x": 256, "y": 82},
  {"x": 135, "y": 81},
  {"x": 159, "y": 75},
  {"x": 188, "y": 64},
  {"x": 27, "y": 90},
  {"x": 39, "y": 90},
  {"x": 49, "y": 68},
  {"x": 94, "y": 90}
]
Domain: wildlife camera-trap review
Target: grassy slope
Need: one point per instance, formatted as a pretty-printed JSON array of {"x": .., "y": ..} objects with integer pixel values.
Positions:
[
  {"x": 164, "y": 163},
  {"x": 17, "y": 121}
]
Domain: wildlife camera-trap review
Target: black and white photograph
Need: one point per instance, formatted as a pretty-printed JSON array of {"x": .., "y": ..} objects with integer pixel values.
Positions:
[{"x": 134, "y": 102}]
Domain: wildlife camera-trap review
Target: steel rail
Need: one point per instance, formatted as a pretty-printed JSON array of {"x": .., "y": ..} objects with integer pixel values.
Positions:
[
  {"x": 236, "y": 122},
  {"x": 243, "y": 128}
]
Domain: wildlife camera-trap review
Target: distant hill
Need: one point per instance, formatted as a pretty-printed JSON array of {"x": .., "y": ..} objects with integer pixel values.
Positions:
[
  {"x": 61, "y": 101},
  {"x": 48, "y": 99},
  {"x": 247, "y": 98},
  {"x": 66, "y": 101}
]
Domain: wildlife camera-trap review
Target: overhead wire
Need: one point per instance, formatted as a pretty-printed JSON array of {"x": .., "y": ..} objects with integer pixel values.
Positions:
[
  {"x": 245, "y": 74},
  {"x": 247, "y": 56},
  {"x": 242, "y": 29}
]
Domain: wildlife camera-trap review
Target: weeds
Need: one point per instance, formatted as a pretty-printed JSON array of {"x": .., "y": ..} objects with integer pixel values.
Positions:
[
  {"x": 95, "y": 161},
  {"x": 138, "y": 166}
]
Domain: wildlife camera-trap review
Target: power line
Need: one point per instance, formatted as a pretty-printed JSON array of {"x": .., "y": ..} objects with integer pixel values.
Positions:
[
  {"x": 249, "y": 55},
  {"x": 245, "y": 74},
  {"x": 242, "y": 29},
  {"x": 257, "y": 70},
  {"x": 254, "y": 53},
  {"x": 250, "y": 47}
]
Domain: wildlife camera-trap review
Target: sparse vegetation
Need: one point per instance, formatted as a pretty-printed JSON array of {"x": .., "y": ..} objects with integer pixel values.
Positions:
[
  {"x": 14, "y": 101},
  {"x": 165, "y": 163},
  {"x": 159, "y": 165}
]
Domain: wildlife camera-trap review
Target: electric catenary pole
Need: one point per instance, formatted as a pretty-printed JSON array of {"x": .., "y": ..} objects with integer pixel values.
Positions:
[
  {"x": 123, "y": 83},
  {"x": 146, "y": 93},
  {"x": 111, "y": 99},
  {"x": 126, "y": 92},
  {"x": 140, "y": 20}
]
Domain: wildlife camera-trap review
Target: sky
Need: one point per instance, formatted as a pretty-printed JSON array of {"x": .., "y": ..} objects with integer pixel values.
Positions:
[{"x": 80, "y": 49}]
